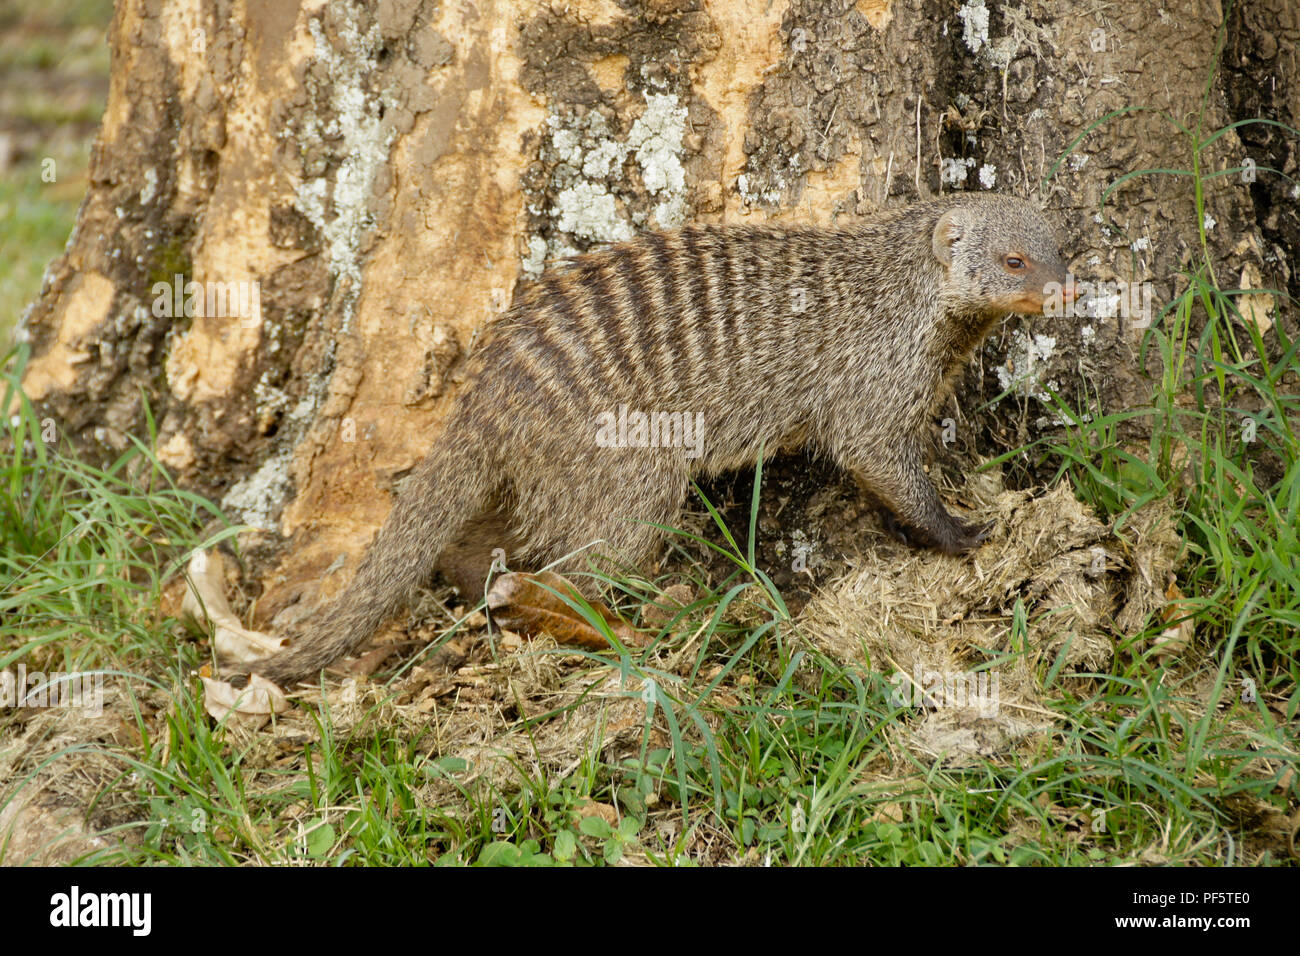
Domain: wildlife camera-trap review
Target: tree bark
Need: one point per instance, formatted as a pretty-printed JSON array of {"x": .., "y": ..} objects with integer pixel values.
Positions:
[{"x": 387, "y": 174}]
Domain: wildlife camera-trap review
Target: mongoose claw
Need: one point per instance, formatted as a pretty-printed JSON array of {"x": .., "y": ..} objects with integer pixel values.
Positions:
[
  {"x": 973, "y": 534},
  {"x": 952, "y": 537}
]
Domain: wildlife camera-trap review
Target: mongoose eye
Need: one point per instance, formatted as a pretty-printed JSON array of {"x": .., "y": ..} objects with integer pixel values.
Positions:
[{"x": 1011, "y": 262}]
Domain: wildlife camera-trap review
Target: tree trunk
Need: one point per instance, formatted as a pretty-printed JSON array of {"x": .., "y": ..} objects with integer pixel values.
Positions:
[{"x": 368, "y": 184}]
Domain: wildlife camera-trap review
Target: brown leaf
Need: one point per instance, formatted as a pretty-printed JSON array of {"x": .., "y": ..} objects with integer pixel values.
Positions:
[
  {"x": 252, "y": 705},
  {"x": 205, "y": 601},
  {"x": 451, "y": 655},
  {"x": 371, "y": 661},
  {"x": 607, "y": 812},
  {"x": 1174, "y": 639},
  {"x": 522, "y": 602},
  {"x": 889, "y": 813},
  {"x": 666, "y": 604}
]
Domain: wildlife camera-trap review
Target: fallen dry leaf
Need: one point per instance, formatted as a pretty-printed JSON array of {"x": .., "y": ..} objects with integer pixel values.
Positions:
[
  {"x": 889, "y": 813},
  {"x": 607, "y": 812},
  {"x": 529, "y": 604},
  {"x": 252, "y": 704},
  {"x": 205, "y": 601},
  {"x": 658, "y": 612},
  {"x": 1284, "y": 781},
  {"x": 370, "y": 661},
  {"x": 1176, "y": 637}
]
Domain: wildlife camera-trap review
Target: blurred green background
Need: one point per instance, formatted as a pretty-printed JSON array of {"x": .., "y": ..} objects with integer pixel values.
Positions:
[{"x": 53, "y": 85}]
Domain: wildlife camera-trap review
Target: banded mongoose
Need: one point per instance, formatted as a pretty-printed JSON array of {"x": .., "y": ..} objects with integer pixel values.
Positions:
[{"x": 841, "y": 339}]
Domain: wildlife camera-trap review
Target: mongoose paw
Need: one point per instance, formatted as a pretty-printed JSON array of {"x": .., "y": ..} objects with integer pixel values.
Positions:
[
  {"x": 970, "y": 536},
  {"x": 895, "y": 528},
  {"x": 952, "y": 538}
]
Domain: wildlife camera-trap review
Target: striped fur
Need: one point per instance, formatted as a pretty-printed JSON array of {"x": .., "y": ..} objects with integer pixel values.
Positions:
[{"x": 844, "y": 340}]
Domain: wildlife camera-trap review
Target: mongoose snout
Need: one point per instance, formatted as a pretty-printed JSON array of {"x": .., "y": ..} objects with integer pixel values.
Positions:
[{"x": 611, "y": 384}]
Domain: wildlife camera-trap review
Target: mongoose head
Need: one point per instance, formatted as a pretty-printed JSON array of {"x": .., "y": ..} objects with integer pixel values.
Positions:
[{"x": 1001, "y": 254}]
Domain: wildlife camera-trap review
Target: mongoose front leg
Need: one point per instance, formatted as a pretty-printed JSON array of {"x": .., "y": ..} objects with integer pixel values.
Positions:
[
  {"x": 975, "y": 533},
  {"x": 915, "y": 514}
]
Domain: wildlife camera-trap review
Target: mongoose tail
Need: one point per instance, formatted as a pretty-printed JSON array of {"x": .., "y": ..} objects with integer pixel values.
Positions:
[{"x": 454, "y": 481}]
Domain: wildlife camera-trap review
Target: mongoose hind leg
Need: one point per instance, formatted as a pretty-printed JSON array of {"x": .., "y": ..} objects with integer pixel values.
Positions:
[
  {"x": 606, "y": 509},
  {"x": 466, "y": 562}
]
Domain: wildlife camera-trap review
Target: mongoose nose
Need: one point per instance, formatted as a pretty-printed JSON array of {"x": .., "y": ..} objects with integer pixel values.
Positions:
[{"x": 1068, "y": 291}]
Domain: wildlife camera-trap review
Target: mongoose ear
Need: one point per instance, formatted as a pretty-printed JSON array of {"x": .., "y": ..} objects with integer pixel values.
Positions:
[{"x": 947, "y": 230}]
